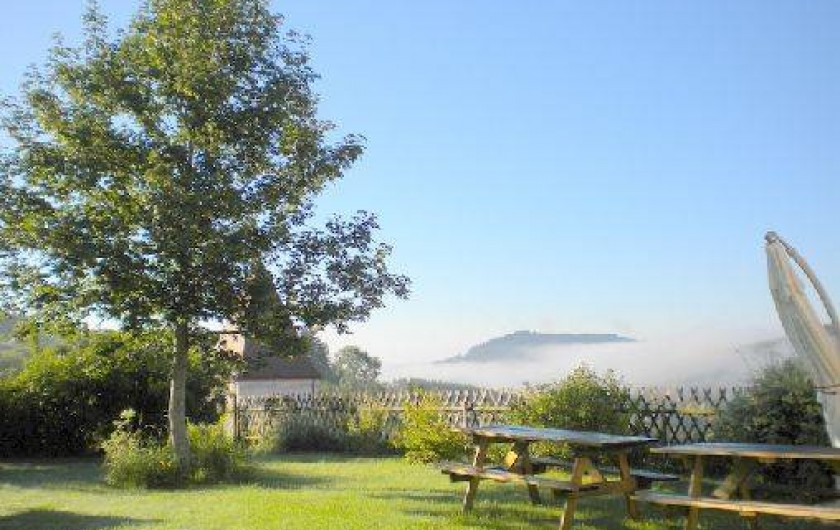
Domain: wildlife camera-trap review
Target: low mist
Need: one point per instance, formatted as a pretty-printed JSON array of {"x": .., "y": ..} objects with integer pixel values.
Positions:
[{"x": 662, "y": 363}]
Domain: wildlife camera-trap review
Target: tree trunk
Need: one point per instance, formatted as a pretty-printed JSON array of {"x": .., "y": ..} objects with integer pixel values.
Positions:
[{"x": 177, "y": 398}]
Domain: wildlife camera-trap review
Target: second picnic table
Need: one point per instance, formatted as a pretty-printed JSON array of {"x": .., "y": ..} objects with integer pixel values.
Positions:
[
  {"x": 587, "y": 476},
  {"x": 733, "y": 494}
]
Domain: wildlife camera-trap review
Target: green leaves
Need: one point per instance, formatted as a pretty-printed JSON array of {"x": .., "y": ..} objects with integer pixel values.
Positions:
[
  {"x": 582, "y": 400},
  {"x": 356, "y": 370},
  {"x": 166, "y": 176},
  {"x": 424, "y": 435},
  {"x": 781, "y": 407},
  {"x": 155, "y": 171}
]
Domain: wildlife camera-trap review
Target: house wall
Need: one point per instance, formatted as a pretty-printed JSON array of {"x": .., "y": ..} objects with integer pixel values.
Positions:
[{"x": 274, "y": 387}]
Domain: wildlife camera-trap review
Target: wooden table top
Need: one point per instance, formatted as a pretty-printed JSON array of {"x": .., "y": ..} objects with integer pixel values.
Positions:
[
  {"x": 512, "y": 433},
  {"x": 747, "y": 450}
]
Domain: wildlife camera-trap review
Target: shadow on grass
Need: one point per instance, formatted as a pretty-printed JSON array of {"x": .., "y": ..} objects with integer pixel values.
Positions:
[
  {"x": 319, "y": 458},
  {"x": 505, "y": 509},
  {"x": 58, "y": 520},
  {"x": 87, "y": 475},
  {"x": 271, "y": 470},
  {"x": 274, "y": 479},
  {"x": 53, "y": 474}
]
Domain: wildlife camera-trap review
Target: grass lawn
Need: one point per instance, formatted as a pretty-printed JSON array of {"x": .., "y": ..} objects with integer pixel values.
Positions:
[{"x": 303, "y": 492}]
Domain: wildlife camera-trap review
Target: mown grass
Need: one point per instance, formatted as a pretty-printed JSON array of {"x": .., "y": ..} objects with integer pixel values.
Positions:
[{"x": 303, "y": 492}]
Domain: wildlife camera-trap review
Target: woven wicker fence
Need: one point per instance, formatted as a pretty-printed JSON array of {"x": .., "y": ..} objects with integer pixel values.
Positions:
[{"x": 673, "y": 415}]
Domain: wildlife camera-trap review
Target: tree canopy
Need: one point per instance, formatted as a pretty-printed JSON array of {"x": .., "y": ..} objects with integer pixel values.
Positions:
[
  {"x": 356, "y": 369},
  {"x": 165, "y": 175}
]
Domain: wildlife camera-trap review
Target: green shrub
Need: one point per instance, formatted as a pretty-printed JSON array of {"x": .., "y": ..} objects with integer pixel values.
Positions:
[
  {"x": 66, "y": 398},
  {"x": 133, "y": 460},
  {"x": 780, "y": 408},
  {"x": 424, "y": 436},
  {"x": 342, "y": 430},
  {"x": 216, "y": 457},
  {"x": 300, "y": 431},
  {"x": 583, "y": 400},
  {"x": 365, "y": 432}
]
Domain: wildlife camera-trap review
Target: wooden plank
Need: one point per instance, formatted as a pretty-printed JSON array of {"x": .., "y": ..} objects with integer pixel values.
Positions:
[
  {"x": 747, "y": 508},
  {"x": 512, "y": 433},
  {"x": 736, "y": 480},
  {"x": 499, "y": 475},
  {"x": 644, "y": 477},
  {"x": 568, "y": 517},
  {"x": 759, "y": 451},
  {"x": 472, "y": 488},
  {"x": 524, "y": 459},
  {"x": 518, "y": 460},
  {"x": 629, "y": 483},
  {"x": 695, "y": 490}
]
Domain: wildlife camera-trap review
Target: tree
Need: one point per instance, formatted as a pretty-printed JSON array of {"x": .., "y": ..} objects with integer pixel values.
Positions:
[
  {"x": 166, "y": 176},
  {"x": 319, "y": 355},
  {"x": 355, "y": 369}
]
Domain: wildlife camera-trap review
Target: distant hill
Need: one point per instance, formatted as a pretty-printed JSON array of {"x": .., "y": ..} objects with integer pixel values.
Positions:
[{"x": 522, "y": 343}]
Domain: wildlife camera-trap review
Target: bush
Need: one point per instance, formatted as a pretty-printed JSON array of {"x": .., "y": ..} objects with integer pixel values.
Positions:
[
  {"x": 583, "y": 400},
  {"x": 216, "y": 457},
  {"x": 341, "y": 429},
  {"x": 133, "y": 460},
  {"x": 780, "y": 408},
  {"x": 424, "y": 436},
  {"x": 365, "y": 432},
  {"x": 65, "y": 399},
  {"x": 299, "y": 431}
]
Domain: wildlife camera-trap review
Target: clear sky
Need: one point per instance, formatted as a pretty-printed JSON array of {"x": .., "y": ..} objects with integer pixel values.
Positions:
[{"x": 566, "y": 166}]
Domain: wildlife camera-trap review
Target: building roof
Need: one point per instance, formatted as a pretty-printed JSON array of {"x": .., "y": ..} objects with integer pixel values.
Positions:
[{"x": 263, "y": 364}]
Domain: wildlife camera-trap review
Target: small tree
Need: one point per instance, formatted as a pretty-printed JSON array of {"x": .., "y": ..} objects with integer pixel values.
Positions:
[
  {"x": 583, "y": 400},
  {"x": 780, "y": 407},
  {"x": 166, "y": 176},
  {"x": 424, "y": 435},
  {"x": 319, "y": 354},
  {"x": 355, "y": 369}
]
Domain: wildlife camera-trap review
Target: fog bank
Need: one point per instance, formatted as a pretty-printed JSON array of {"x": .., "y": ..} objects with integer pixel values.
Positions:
[{"x": 663, "y": 363}]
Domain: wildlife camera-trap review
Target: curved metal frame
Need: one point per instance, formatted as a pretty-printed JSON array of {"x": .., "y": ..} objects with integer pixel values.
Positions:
[{"x": 772, "y": 237}]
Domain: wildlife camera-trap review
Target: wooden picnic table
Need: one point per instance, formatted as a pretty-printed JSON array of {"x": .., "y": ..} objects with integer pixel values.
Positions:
[
  {"x": 587, "y": 479},
  {"x": 733, "y": 494}
]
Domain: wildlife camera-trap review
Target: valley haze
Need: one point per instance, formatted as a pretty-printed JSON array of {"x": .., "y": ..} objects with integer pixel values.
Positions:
[{"x": 529, "y": 358}]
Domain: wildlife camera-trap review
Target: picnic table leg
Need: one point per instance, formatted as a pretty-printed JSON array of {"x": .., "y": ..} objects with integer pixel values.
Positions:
[
  {"x": 628, "y": 485},
  {"x": 695, "y": 486},
  {"x": 518, "y": 460},
  {"x": 478, "y": 461},
  {"x": 580, "y": 465},
  {"x": 744, "y": 493},
  {"x": 736, "y": 480}
]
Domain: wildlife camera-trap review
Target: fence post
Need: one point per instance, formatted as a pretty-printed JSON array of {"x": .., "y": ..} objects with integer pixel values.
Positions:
[
  {"x": 466, "y": 408},
  {"x": 236, "y": 433}
]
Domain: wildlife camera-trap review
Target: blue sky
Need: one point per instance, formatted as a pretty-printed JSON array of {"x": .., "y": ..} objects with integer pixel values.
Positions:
[{"x": 567, "y": 166}]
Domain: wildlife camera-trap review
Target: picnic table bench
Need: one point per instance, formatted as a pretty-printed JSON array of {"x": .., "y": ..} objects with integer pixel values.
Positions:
[
  {"x": 587, "y": 479},
  {"x": 645, "y": 478},
  {"x": 459, "y": 472},
  {"x": 734, "y": 494}
]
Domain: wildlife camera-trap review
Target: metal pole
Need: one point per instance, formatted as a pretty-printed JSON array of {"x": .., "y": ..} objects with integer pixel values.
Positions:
[{"x": 772, "y": 237}]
